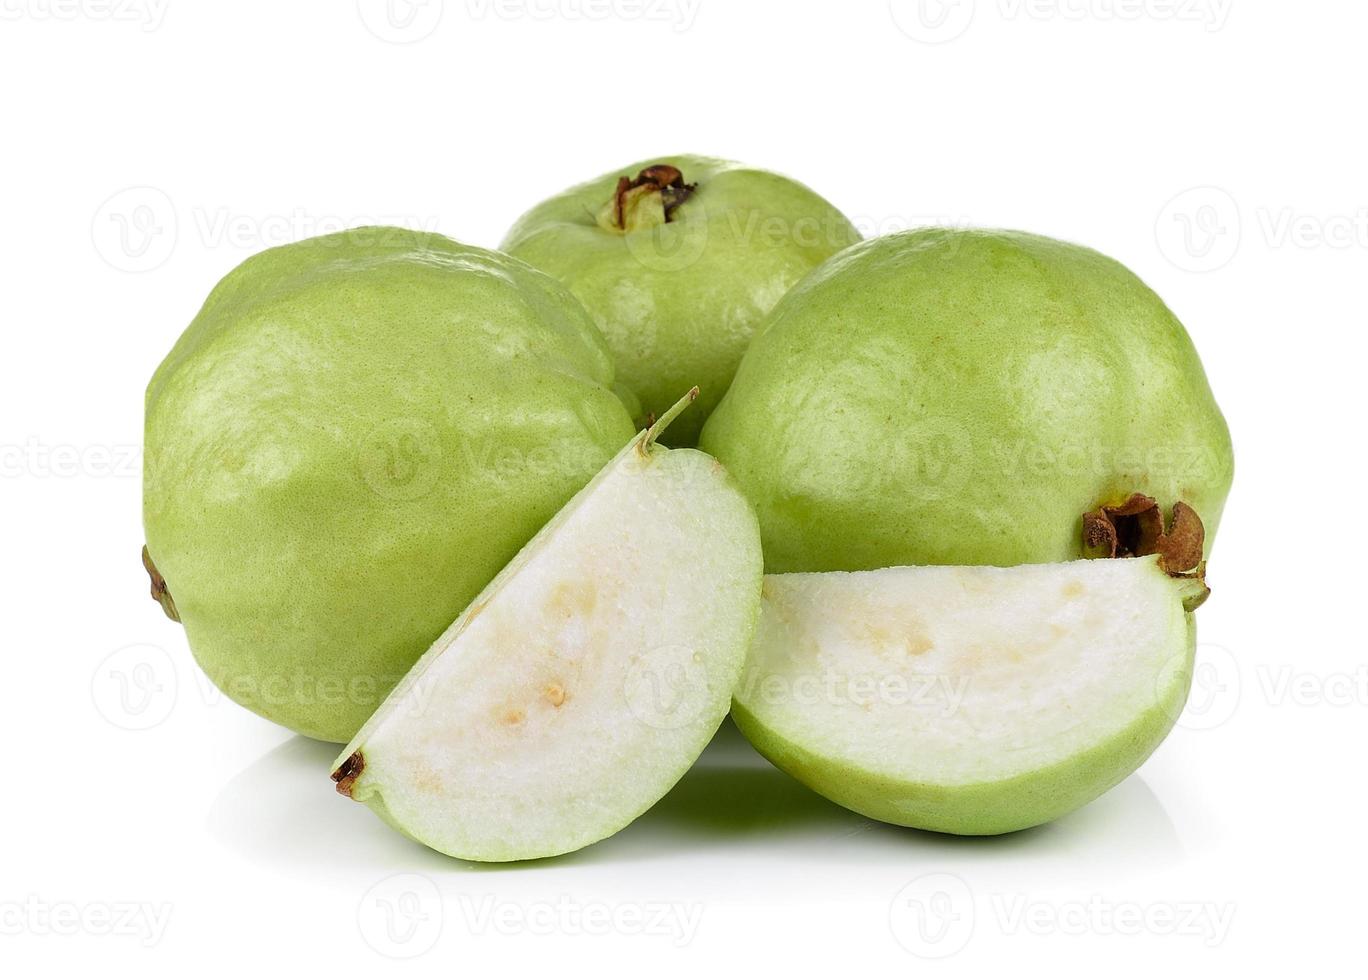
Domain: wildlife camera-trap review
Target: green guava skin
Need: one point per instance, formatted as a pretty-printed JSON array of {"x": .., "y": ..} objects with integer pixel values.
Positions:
[
  {"x": 679, "y": 302},
  {"x": 988, "y": 808},
  {"x": 963, "y": 397},
  {"x": 353, "y": 436}
]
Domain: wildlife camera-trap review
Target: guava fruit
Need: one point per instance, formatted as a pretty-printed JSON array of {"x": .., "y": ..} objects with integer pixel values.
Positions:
[
  {"x": 583, "y": 682},
  {"x": 955, "y": 397},
  {"x": 677, "y": 259},
  {"x": 971, "y": 699},
  {"x": 353, "y": 436}
]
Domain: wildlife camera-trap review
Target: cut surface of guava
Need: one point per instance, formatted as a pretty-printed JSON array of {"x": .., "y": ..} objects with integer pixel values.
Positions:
[
  {"x": 970, "y": 700},
  {"x": 585, "y": 680}
]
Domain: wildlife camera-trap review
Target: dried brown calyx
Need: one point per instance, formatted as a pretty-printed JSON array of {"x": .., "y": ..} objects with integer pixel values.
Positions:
[
  {"x": 1136, "y": 528},
  {"x": 159, "y": 590},
  {"x": 648, "y": 200},
  {"x": 346, "y": 773}
]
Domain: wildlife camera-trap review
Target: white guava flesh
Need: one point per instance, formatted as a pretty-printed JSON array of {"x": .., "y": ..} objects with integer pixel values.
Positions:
[
  {"x": 585, "y": 679},
  {"x": 970, "y": 700}
]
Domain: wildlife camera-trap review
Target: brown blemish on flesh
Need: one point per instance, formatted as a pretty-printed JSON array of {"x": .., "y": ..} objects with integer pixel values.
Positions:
[
  {"x": 1072, "y": 590},
  {"x": 918, "y": 644},
  {"x": 513, "y": 717},
  {"x": 555, "y": 694},
  {"x": 345, "y": 776},
  {"x": 159, "y": 590},
  {"x": 570, "y": 599}
]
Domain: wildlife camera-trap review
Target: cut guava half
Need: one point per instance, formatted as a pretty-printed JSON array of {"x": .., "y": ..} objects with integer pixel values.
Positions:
[
  {"x": 584, "y": 681},
  {"x": 969, "y": 700}
]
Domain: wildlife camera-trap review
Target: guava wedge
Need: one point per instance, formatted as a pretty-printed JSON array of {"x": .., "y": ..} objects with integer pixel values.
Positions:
[
  {"x": 969, "y": 699},
  {"x": 583, "y": 682},
  {"x": 678, "y": 258}
]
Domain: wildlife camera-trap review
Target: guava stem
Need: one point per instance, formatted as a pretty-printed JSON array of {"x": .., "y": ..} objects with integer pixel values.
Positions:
[
  {"x": 159, "y": 590},
  {"x": 659, "y": 426},
  {"x": 1135, "y": 528},
  {"x": 649, "y": 199},
  {"x": 346, "y": 774}
]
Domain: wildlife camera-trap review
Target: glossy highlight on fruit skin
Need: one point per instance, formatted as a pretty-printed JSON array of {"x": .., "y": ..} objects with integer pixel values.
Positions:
[
  {"x": 708, "y": 247},
  {"x": 352, "y": 437},
  {"x": 969, "y": 700},
  {"x": 962, "y": 397},
  {"x": 584, "y": 681}
]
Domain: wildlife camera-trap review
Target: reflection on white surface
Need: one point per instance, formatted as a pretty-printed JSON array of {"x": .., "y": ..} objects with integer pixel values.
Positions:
[{"x": 733, "y": 829}]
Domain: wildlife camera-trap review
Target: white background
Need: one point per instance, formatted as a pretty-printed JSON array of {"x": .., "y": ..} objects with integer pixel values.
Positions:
[{"x": 1215, "y": 146}]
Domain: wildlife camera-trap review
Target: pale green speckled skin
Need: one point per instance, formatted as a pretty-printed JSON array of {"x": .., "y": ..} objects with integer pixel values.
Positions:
[
  {"x": 964, "y": 397},
  {"x": 679, "y": 303},
  {"x": 1001, "y": 807},
  {"x": 353, "y": 436}
]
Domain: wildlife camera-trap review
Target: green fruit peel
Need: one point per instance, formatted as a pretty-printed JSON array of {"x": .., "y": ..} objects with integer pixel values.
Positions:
[
  {"x": 677, "y": 259},
  {"x": 352, "y": 437}
]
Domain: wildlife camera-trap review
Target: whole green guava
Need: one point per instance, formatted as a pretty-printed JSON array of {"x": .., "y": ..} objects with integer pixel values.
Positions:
[
  {"x": 677, "y": 260},
  {"x": 353, "y": 436},
  {"x": 954, "y": 397}
]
